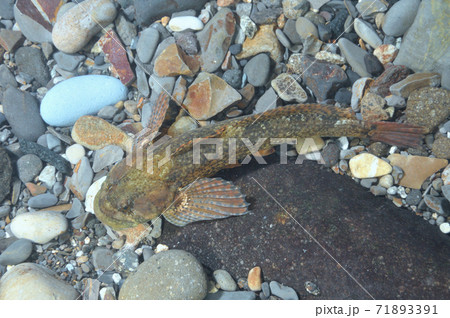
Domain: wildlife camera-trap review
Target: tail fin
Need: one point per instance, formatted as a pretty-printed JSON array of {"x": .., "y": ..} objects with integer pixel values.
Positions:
[{"x": 402, "y": 135}]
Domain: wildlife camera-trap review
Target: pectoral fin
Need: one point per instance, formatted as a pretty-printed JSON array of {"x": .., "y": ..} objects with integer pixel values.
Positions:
[{"x": 207, "y": 199}]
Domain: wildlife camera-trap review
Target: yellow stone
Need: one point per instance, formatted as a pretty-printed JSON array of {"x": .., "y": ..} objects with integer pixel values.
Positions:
[
  {"x": 309, "y": 145},
  {"x": 416, "y": 168},
  {"x": 254, "y": 279},
  {"x": 366, "y": 165},
  {"x": 264, "y": 41},
  {"x": 173, "y": 62}
]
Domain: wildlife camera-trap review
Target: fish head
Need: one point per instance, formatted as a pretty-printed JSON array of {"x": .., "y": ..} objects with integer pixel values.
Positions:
[{"x": 129, "y": 197}]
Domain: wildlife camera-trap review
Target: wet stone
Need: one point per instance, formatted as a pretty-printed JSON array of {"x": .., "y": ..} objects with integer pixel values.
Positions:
[
  {"x": 233, "y": 78},
  {"x": 415, "y": 81},
  {"x": 16, "y": 253},
  {"x": 43, "y": 201},
  {"x": 284, "y": 292},
  {"x": 188, "y": 42},
  {"x": 102, "y": 259},
  {"x": 389, "y": 77},
  {"x": 373, "y": 65},
  {"x": 258, "y": 70}
]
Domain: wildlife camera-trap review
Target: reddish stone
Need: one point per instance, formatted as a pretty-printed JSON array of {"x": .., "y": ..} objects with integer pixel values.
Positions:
[
  {"x": 323, "y": 78},
  {"x": 117, "y": 56},
  {"x": 393, "y": 74},
  {"x": 42, "y": 11}
]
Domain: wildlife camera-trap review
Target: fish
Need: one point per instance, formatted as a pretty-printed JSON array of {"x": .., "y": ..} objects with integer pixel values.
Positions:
[{"x": 184, "y": 190}]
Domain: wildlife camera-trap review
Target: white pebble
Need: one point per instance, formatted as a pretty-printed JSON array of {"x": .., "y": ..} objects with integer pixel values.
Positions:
[
  {"x": 48, "y": 176},
  {"x": 74, "y": 153},
  {"x": 116, "y": 278},
  {"x": 392, "y": 190},
  {"x": 445, "y": 227},
  {"x": 91, "y": 193},
  {"x": 161, "y": 248},
  {"x": 180, "y": 24}
]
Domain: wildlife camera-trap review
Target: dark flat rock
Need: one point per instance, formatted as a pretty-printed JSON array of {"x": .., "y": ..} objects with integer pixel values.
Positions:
[{"x": 390, "y": 251}]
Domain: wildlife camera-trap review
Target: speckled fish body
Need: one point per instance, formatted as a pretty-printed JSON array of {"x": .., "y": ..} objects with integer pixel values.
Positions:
[{"x": 131, "y": 196}]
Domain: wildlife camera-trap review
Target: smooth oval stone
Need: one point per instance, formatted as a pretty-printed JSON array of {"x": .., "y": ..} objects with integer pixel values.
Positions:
[
  {"x": 179, "y": 24},
  {"x": 39, "y": 227},
  {"x": 369, "y": 166},
  {"x": 30, "y": 281},
  {"x": 367, "y": 33},
  {"x": 80, "y": 96},
  {"x": 400, "y": 17},
  {"x": 305, "y": 27},
  {"x": 16, "y": 253}
]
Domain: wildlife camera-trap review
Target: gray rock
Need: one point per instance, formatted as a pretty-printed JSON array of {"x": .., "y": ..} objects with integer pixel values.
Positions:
[
  {"x": 28, "y": 167},
  {"x": 305, "y": 27},
  {"x": 141, "y": 82},
  {"x": 438, "y": 204},
  {"x": 32, "y": 30},
  {"x": 235, "y": 295},
  {"x": 378, "y": 190},
  {"x": 294, "y": 9},
  {"x": 30, "y": 281},
  {"x": 368, "y": 7},
  {"x": 5, "y": 174},
  {"x": 106, "y": 157},
  {"x": 422, "y": 47},
  {"x": 68, "y": 62},
  {"x": 102, "y": 259},
  {"x": 82, "y": 179},
  {"x": 233, "y": 78},
  {"x": 6, "y": 77},
  {"x": 53, "y": 143},
  {"x": 291, "y": 32},
  {"x": 173, "y": 274},
  {"x": 6, "y": 9},
  {"x": 80, "y": 221},
  {"x": 149, "y": 10},
  {"x": 414, "y": 197},
  {"x": 354, "y": 56},
  {"x": 22, "y": 112},
  {"x": 42, "y": 201},
  {"x": 16, "y": 253},
  {"x": 76, "y": 210},
  {"x": 187, "y": 41},
  {"x": 400, "y": 17},
  {"x": 368, "y": 182},
  {"x": 31, "y": 61},
  {"x": 4, "y": 210},
  {"x": 58, "y": 188},
  {"x": 445, "y": 79},
  {"x": 269, "y": 100},
  {"x": 265, "y": 15},
  {"x": 265, "y": 289},
  {"x": 125, "y": 29},
  {"x": 284, "y": 292},
  {"x": 258, "y": 70},
  {"x": 107, "y": 112},
  {"x": 126, "y": 261},
  {"x": 446, "y": 191},
  {"x": 224, "y": 279},
  {"x": 367, "y": 33}
]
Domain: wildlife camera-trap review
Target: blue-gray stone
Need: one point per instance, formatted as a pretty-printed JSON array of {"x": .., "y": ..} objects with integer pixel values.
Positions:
[
  {"x": 400, "y": 17},
  {"x": 284, "y": 292},
  {"x": 17, "y": 252},
  {"x": 68, "y": 62},
  {"x": 237, "y": 295},
  {"x": 80, "y": 96},
  {"x": 28, "y": 167},
  {"x": 31, "y": 61},
  {"x": 42, "y": 201},
  {"x": 147, "y": 44},
  {"x": 258, "y": 70}
]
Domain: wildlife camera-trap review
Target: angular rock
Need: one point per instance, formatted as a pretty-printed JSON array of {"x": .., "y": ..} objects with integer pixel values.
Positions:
[
  {"x": 415, "y": 81},
  {"x": 173, "y": 274},
  {"x": 416, "y": 168},
  {"x": 437, "y": 204},
  {"x": 6, "y": 8},
  {"x": 323, "y": 78},
  {"x": 386, "y": 53},
  {"x": 390, "y": 76},
  {"x": 441, "y": 147},
  {"x": 330, "y": 57},
  {"x": 368, "y": 7},
  {"x": 215, "y": 39},
  {"x": 294, "y": 9},
  {"x": 126, "y": 30},
  {"x": 372, "y": 108},
  {"x": 284, "y": 292},
  {"x": 209, "y": 95},
  {"x": 31, "y": 61},
  {"x": 81, "y": 180},
  {"x": 22, "y": 112},
  {"x": 289, "y": 89},
  {"x": 117, "y": 56},
  {"x": 70, "y": 36},
  {"x": 39, "y": 227},
  {"x": 354, "y": 56},
  {"x": 5, "y": 174},
  {"x": 358, "y": 90},
  {"x": 422, "y": 47},
  {"x": 173, "y": 62},
  {"x": 269, "y": 100},
  {"x": 188, "y": 42},
  {"x": 368, "y": 166},
  {"x": 68, "y": 62},
  {"x": 106, "y": 157},
  {"x": 264, "y": 41},
  {"x": 29, "y": 281},
  {"x": 10, "y": 39},
  {"x": 428, "y": 107}
]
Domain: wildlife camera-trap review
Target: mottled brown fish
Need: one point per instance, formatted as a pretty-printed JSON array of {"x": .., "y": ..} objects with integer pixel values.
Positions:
[{"x": 181, "y": 189}]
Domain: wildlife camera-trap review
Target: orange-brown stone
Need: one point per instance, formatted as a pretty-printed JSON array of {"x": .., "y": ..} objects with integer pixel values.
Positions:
[
  {"x": 173, "y": 62},
  {"x": 264, "y": 41},
  {"x": 254, "y": 279}
]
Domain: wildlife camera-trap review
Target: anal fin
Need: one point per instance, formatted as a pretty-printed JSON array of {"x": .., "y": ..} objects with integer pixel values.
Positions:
[{"x": 207, "y": 199}]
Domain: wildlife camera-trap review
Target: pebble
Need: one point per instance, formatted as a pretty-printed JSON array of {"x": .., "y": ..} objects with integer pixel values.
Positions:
[
  {"x": 17, "y": 103},
  {"x": 221, "y": 95},
  {"x": 368, "y": 7},
  {"x": 437, "y": 204},
  {"x": 68, "y": 62},
  {"x": 10, "y": 39},
  {"x": 416, "y": 168},
  {"x": 39, "y": 227},
  {"x": 264, "y": 41},
  {"x": 386, "y": 181},
  {"x": 294, "y": 9},
  {"x": 254, "y": 279},
  {"x": 372, "y": 108},
  {"x": 76, "y": 209},
  {"x": 125, "y": 29},
  {"x": 224, "y": 279},
  {"x": 378, "y": 190},
  {"x": 373, "y": 65},
  {"x": 182, "y": 125},
  {"x": 80, "y": 96},
  {"x": 428, "y": 107},
  {"x": 29, "y": 281},
  {"x": 367, "y": 33},
  {"x": 258, "y": 70},
  {"x": 48, "y": 176},
  {"x": 6, "y": 7},
  {"x": 233, "y": 78},
  {"x": 42, "y": 201},
  {"x": 16, "y": 253},
  {"x": 305, "y": 27},
  {"x": 446, "y": 191},
  {"x": 445, "y": 227},
  {"x": 28, "y": 167},
  {"x": 102, "y": 259},
  {"x": 180, "y": 24},
  {"x": 368, "y": 166},
  {"x": 415, "y": 81},
  {"x": 358, "y": 90},
  {"x": 81, "y": 179},
  {"x": 289, "y": 89},
  {"x": 236, "y": 295},
  {"x": 400, "y": 17},
  {"x": 106, "y": 157},
  {"x": 147, "y": 44},
  {"x": 31, "y": 61},
  {"x": 354, "y": 56},
  {"x": 395, "y": 101},
  {"x": 126, "y": 261},
  {"x": 215, "y": 39},
  {"x": 269, "y": 100},
  {"x": 74, "y": 153},
  {"x": 368, "y": 182},
  {"x": 70, "y": 36},
  {"x": 386, "y": 53},
  {"x": 284, "y": 292},
  {"x": 414, "y": 197},
  {"x": 173, "y": 274}
]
